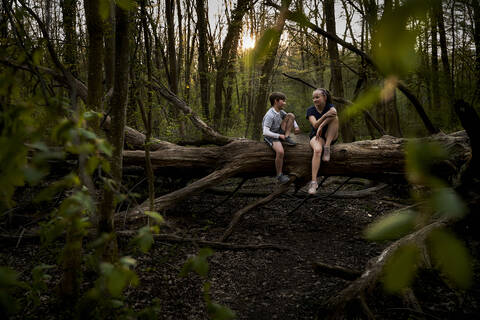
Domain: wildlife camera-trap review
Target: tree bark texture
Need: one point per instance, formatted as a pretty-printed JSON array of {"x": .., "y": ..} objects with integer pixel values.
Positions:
[
  {"x": 203, "y": 58},
  {"x": 346, "y": 130},
  {"x": 118, "y": 105},
  {"x": 95, "y": 54},
  {"x": 267, "y": 68},
  {"x": 229, "y": 48},
  {"x": 375, "y": 159}
]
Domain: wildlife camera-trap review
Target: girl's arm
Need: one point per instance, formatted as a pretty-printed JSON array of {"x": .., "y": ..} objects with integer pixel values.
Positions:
[{"x": 329, "y": 114}]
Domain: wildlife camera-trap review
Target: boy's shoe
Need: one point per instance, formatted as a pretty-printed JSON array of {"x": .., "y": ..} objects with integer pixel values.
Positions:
[
  {"x": 282, "y": 179},
  {"x": 326, "y": 153},
  {"x": 289, "y": 141},
  {"x": 312, "y": 187}
]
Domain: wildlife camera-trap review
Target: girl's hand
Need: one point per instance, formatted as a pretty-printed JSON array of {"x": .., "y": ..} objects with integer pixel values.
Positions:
[{"x": 319, "y": 132}]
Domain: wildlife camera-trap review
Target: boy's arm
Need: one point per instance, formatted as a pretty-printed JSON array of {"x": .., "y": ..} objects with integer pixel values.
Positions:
[{"x": 268, "y": 133}]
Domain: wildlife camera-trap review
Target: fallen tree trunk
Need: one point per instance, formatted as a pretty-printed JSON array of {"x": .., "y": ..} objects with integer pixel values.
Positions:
[{"x": 375, "y": 159}]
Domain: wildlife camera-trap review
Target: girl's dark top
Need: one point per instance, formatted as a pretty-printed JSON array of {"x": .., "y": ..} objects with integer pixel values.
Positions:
[{"x": 312, "y": 111}]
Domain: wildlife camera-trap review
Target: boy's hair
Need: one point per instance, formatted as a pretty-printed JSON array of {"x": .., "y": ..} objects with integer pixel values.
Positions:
[
  {"x": 276, "y": 96},
  {"x": 326, "y": 93}
]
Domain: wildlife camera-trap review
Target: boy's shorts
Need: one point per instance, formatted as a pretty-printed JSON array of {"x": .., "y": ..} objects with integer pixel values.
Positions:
[{"x": 270, "y": 140}]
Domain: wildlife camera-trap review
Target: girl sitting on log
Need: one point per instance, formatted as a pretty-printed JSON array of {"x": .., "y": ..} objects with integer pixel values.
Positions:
[{"x": 324, "y": 123}]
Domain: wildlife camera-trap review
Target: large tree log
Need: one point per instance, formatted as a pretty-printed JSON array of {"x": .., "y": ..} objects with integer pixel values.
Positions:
[
  {"x": 376, "y": 159},
  {"x": 379, "y": 159}
]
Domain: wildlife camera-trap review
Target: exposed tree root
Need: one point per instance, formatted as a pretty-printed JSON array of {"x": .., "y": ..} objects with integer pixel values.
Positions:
[
  {"x": 336, "y": 271},
  {"x": 358, "y": 289},
  {"x": 238, "y": 215},
  {"x": 170, "y": 199},
  {"x": 212, "y": 244}
]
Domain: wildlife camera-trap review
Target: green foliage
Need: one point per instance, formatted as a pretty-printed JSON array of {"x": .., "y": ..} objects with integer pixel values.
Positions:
[
  {"x": 216, "y": 311},
  {"x": 157, "y": 217},
  {"x": 366, "y": 101},
  {"x": 198, "y": 263},
  {"x": 400, "y": 268},
  {"x": 392, "y": 226},
  {"x": 420, "y": 159},
  {"x": 8, "y": 284},
  {"x": 451, "y": 257},
  {"x": 438, "y": 202},
  {"x": 394, "y": 42},
  {"x": 264, "y": 47}
]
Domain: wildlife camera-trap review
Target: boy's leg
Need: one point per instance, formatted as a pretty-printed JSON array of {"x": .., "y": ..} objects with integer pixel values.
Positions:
[
  {"x": 287, "y": 124},
  {"x": 279, "y": 153}
]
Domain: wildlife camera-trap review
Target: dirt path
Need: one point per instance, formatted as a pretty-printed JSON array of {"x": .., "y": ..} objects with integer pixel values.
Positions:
[{"x": 271, "y": 284}]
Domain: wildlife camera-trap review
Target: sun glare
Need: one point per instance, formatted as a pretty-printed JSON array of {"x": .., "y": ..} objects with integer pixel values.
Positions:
[{"x": 248, "y": 42}]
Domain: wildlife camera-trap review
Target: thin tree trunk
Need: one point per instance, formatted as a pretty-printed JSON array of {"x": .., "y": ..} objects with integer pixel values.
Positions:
[
  {"x": 229, "y": 49},
  {"x": 476, "y": 37},
  {"x": 69, "y": 12},
  {"x": 336, "y": 68},
  {"x": 203, "y": 58},
  {"x": 109, "y": 39},
  {"x": 261, "y": 98},
  {"x": 118, "y": 105},
  {"x": 95, "y": 55},
  {"x": 444, "y": 53}
]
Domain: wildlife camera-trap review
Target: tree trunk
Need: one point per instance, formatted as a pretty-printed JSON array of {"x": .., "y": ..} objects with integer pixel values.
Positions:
[
  {"x": 229, "y": 50},
  {"x": 172, "y": 72},
  {"x": 69, "y": 12},
  {"x": 267, "y": 68},
  {"x": 95, "y": 55},
  {"x": 376, "y": 159},
  {"x": 444, "y": 54},
  {"x": 476, "y": 37},
  {"x": 203, "y": 58},
  {"x": 346, "y": 130},
  {"x": 118, "y": 106},
  {"x": 435, "y": 83},
  {"x": 109, "y": 39}
]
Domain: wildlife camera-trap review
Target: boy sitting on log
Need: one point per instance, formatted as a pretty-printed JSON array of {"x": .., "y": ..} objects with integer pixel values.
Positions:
[{"x": 277, "y": 125}]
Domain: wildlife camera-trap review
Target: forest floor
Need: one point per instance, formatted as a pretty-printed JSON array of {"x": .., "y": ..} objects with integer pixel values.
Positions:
[{"x": 266, "y": 283}]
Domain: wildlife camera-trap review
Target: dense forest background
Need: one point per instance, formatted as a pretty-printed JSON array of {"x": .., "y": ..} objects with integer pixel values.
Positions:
[{"x": 77, "y": 75}]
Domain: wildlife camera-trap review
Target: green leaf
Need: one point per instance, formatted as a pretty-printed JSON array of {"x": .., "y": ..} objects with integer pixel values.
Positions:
[
  {"x": 264, "y": 46},
  {"x": 400, "y": 268},
  {"x": 394, "y": 40},
  {"x": 34, "y": 175},
  {"x": 87, "y": 133},
  {"x": 92, "y": 164},
  {"x": 451, "y": 257},
  {"x": 128, "y": 261},
  {"x": 116, "y": 282},
  {"x": 392, "y": 226},
  {"x": 219, "y": 312},
  {"x": 127, "y": 5},
  {"x": 155, "y": 216},
  {"x": 104, "y": 9},
  {"x": 420, "y": 158},
  {"x": 198, "y": 264},
  {"x": 365, "y": 101},
  {"x": 144, "y": 239},
  {"x": 8, "y": 277},
  {"x": 93, "y": 115},
  {"x": 447, "y": 203}
]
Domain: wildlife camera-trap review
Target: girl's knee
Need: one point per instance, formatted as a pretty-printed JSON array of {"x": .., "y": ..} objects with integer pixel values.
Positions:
[{"x": 317, "y": 150}]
